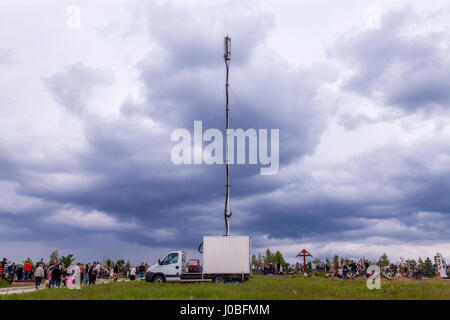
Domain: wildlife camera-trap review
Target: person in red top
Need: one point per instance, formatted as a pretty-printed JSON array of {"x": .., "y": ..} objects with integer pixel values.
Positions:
[{"x": 27, "y": 270}]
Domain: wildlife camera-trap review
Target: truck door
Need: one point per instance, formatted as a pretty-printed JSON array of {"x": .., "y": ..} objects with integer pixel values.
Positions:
[{"x": 170, "y": 266}]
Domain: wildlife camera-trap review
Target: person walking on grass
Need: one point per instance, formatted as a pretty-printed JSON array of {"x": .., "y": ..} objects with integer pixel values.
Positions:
[
  {"x": 92, "y": 275},
  {"x": 56, "y": 277},
  {"x": 27, "y": 270},
  {"x": 12, "y": 272},
  {"x": 142, "y": 270},
  {"x": 20, "y": 272},
  {"x": 49, "y": 275},
  {"x": 98, "y": 270},
  {"x": 81, "y": 267},
  {"x": 133, "y": 273},
  {"x": 116, "y": 271},
  {"x": 345, "y": 269},
  {"x": 366, "y": 266},
  {"x": 38, "y": 275}
]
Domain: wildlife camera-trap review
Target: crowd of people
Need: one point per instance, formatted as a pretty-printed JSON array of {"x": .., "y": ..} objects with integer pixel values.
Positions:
[
  {"x": 405, "y": 269},
  {"x": 350, "y": 269},
  {"x": 271, "y": 268},
  {"x": 55, "y": 274}
]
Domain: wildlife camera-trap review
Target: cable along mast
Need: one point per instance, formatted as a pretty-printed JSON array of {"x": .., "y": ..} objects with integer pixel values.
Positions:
[{"x": 227, "y": 211}]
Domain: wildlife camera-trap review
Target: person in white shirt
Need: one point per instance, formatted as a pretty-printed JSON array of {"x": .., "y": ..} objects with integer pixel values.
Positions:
[{"x": 133, "y": 273}]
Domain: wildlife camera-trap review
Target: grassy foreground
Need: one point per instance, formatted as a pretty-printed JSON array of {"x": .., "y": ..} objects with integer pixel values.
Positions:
[{"x": 256, "y": 288}]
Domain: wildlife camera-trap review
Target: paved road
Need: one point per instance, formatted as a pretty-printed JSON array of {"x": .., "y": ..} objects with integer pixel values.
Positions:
[{"x": 17, "y": 290}]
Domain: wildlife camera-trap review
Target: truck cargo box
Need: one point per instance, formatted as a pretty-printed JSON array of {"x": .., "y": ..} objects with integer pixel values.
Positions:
[{"x": 226, "y": 255}]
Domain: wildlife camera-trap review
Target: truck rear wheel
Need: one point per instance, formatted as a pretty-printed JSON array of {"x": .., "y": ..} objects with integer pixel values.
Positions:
[
  {"x": 219, "y": 279},
  {"x": 157, "y": 279}
]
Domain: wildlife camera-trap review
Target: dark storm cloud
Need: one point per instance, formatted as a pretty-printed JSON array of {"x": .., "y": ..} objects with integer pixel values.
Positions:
[
  {"x": 189, "y": 37},
  {"x": 396, "y": 66},
  {"x": 130, "y": 188},
  {"x": 181, "y": 88},
  {"x": 184, "y": 78},
  {"x": 184, "y": 81},
  {"x": 405, "y": 183}
]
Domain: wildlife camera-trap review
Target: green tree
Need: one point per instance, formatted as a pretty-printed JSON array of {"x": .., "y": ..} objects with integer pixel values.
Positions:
[
  {"x": 384, "y": 260},
  {"x": 269, "y": 256},
  {"x": 120, "y": 264},
  {"x": 428, "y": 268},
  {"x": 128, "y": 265},
  {"x": 54, "y": 256},
  {"x": 260, "y": 260},
  {"x": 254, "y": 261},
  {"x": 336, "y": 260},
  {"x": 107, "y": 262},
  {"x": 420, "y": 263},
  {"x": 317, "y": 261},
  {"x": 67, "y": 261},
  {"x": 278, "y": 258}
]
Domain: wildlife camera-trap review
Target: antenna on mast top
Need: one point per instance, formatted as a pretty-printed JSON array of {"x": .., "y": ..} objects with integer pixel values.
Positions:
[
  {"x": 227, "y": 57},
  {"x": 227, "y": 48}
]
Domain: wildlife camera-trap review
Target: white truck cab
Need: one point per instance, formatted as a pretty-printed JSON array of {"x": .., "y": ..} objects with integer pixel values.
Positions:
[{"x": 170, "y": 268}]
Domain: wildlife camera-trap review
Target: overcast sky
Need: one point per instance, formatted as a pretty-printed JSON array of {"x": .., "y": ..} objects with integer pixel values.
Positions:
[{"x": 359, "y": 90}]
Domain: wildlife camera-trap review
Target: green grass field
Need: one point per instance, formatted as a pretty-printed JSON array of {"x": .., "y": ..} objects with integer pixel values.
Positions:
[{"x": 256, "y": 288}]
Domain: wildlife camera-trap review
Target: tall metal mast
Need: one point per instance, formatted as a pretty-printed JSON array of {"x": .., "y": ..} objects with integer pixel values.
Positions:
[{"x": 227, "y": 57}]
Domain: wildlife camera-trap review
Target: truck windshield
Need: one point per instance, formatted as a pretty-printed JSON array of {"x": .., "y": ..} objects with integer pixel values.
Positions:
[{"x": 170, "y": 258}]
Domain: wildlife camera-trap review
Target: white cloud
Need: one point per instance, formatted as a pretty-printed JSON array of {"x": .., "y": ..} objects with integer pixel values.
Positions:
[
  {"x": 91, "y": 220},
  {"x": 11, "y": 201},
  {"x": 161, "y": 234}
]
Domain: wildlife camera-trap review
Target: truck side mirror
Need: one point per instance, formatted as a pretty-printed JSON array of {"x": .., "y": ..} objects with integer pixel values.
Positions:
[{"x": 159, "y": 261}]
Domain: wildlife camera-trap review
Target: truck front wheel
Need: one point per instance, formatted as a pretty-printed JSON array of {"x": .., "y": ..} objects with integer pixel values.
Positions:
[
  {"x": 219, "y": 279},
  {"x": 157, "y": 279}
]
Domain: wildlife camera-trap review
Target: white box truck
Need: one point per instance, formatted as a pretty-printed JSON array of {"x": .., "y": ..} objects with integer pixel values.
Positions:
[{"x": 224, "y": 258}]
